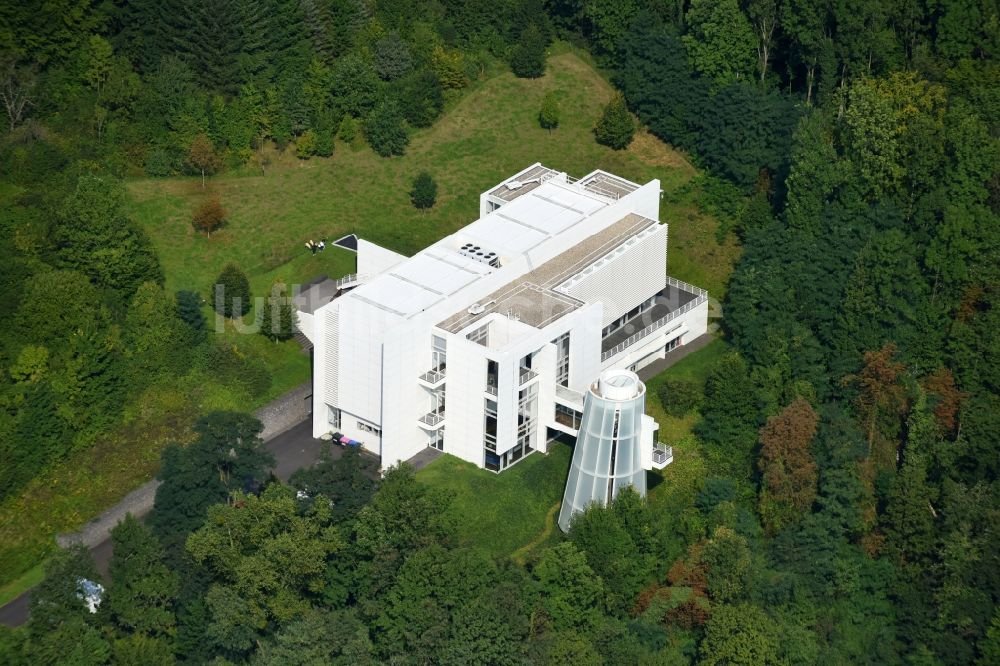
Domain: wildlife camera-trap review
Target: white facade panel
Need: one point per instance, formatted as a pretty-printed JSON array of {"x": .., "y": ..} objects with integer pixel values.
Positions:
[{"x": 628, "y": 276}]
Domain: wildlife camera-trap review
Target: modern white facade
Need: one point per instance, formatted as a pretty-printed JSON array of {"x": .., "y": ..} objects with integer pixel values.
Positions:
[{"x": 483, "y": 344}]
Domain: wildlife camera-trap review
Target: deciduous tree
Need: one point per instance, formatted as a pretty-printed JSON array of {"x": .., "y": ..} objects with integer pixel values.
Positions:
[
  {"x": 202, "y": 156},
  {"x": 143, "y": 589},
  {"x": 571, "y": 593},
  {"x": 720, "y": 40},
  {"x": 226, "y": 455},
  {"x": 789, "y": 475},
  {"x": 208, "y": 215}
]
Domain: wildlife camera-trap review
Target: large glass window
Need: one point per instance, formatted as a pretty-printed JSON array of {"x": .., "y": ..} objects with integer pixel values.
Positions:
[
  {"x": 490, "y": 426},
  {"x": 562, "y": 359},
  {"x": 568, "y": 417}
]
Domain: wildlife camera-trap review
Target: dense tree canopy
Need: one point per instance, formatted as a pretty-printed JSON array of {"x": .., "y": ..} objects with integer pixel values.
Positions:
[{"x": 837, "y": 499}]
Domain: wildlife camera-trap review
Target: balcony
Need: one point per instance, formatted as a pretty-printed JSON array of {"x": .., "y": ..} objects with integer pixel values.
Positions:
[
  {"x": 663, "y": 455},
  {"x": 675, "y": 300},
  {"x": 491, "y": 388},
  {"x": 432, "y": 420},
  {"x": 433, "y": 378},
  {"x": 527, "y": 374}
]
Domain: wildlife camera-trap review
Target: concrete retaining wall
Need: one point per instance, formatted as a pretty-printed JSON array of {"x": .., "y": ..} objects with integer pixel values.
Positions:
[
  {"x": 288, "y": 410},
  {"x": 277, "y": 417}
]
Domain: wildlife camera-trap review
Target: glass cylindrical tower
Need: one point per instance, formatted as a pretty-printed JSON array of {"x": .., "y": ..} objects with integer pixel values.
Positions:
[{"x": 607, "y": 456}]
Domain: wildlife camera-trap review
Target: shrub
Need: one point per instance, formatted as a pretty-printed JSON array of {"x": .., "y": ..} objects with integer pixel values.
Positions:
[
  {"x": 420, "y": 97},
  {"x": 424, "y": 192},
  {"x": 679, "y": 396},
  {"x": 548, "y": 116},
  {"x": 305, "y": 145},
  {"x": 616, "y": 127},
  {"x": 159, "y": 164},
  {"x": 208, "y": 216},
  {"x": 385, "y": 130},
  {"x": 324, "y": 142},
  {"x": 449, "y": 68},
  {"x": 348, "y": 130},
  {"x": 231, "y": 293}
]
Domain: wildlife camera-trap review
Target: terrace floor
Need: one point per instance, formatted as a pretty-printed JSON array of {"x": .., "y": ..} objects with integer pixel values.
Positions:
[{"x": 670, "y": 299}]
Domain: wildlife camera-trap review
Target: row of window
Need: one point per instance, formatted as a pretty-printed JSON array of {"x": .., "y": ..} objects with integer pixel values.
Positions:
[{"x": 645, "y": 306}]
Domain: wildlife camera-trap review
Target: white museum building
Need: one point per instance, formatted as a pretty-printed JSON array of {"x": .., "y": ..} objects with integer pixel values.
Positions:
[{"x": 484, "y": 344}]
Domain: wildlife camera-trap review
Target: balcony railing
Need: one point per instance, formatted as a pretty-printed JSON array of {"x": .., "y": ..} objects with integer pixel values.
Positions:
[
  {"x": 433, "y": 377},
  {"x": 662, "y": 454},
  {"x": 527, "y": 374},
  {"x": 432, "y": 419},
  {"x": 491, "y": 389},
  {"x": 657, "y": 325}
]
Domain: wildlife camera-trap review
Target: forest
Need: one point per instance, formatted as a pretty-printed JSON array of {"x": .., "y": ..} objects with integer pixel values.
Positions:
[{"x": 847, "y": 508}]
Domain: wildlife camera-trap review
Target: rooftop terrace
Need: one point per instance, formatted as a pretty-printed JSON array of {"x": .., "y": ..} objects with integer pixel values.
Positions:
[{"x": 532, "y": 299}]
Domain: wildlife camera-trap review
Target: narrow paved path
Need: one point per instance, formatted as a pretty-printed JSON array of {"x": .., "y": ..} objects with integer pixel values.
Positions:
[{"x": 293, "y": 449}]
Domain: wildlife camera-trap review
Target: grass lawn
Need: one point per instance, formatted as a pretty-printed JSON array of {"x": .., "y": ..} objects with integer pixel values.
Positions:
[
  {"x": 504, "y": 513},
  {"x": 25, "y": 582},
  {"x": 485, "y": 136}
]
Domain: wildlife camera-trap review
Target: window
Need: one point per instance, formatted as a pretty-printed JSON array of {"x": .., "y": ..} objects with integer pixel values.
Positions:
[
  {"x": 438, "y": 352},
  {"x": 481, "y": 335},
  {"x": 673, "y": 344},
  {"x": 562, "y": 359},
  {"x": 490, "y": 426},
  {"x": 568, "y": 417},
  {"x": 364, "y": 427},
  {"x": 437, "y": 400},
  {"x": 492, "y": 376},
  {"x": 333, "y": 417}
]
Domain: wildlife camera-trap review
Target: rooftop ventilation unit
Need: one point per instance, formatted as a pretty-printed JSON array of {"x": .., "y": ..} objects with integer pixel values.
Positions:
[
  {"x": 480, "y": 308},
  {"x": 483, "y": 256}
]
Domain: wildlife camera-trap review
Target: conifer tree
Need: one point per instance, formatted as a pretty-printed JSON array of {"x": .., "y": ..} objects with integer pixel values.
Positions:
[
  {"x": 616, "y": 127},
  {"x": 424, "y": 192},
  {"x": 231, "y": 294},
  {"x": 278, "y": 318},
  {"x": 528, "y": 58},
  {"x": 548, "y": 116}
]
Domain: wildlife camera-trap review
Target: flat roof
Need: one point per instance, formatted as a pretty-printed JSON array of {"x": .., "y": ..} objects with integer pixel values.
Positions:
[
  {"x": 522, "y": 183},
  {"x": 549, "y": 210},
  {"x": 532, "y": 297}
]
